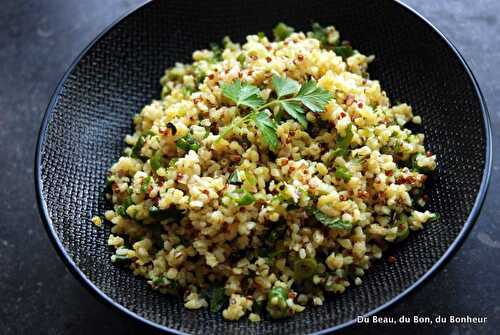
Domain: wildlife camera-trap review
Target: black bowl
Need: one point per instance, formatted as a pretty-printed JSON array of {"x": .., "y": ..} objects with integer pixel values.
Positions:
[{"x": 92, "y": 108}]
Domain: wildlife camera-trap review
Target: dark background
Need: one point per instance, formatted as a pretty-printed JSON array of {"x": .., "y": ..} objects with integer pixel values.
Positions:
[{"x": 38, "y": 41}]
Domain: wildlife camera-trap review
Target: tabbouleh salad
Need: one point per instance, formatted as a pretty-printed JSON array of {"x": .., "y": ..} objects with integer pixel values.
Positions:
[{"x": 268, "y": 175}]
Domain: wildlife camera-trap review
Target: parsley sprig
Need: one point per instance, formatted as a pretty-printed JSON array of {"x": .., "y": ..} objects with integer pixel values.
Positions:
[{"x": 290, "y": 95}]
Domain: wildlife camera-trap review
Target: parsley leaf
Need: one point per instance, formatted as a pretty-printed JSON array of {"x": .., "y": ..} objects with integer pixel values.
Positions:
[
  {"x": 328, "y": 221},
  {"x": 313, "y": 97},
  {"x": 295, "y": 110},
  {"x": 242, "y": 95},
  {"x": 284, "y": 86},
  {"x": 268, "y": 129}
]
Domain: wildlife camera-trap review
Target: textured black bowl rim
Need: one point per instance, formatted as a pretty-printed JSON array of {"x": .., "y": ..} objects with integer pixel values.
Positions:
[{"x": 452, "y": 249}]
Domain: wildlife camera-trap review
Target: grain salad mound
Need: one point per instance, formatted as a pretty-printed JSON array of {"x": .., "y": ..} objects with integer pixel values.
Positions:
[{"x": 267, "y": 175}]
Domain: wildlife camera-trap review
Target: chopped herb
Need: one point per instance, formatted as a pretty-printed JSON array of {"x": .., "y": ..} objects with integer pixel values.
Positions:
[
  {"x": 145, "y": 184},
  {"x": 241, "y": 59},
  {"x": 276, "y": 302},
  {"x": 261, "y": 34},
  {"x": 155, "y": 161},
  {"x": 217, "y": 297},
  {"x": 344, "y": 51},
  {"x": 281, "y": 31},
  {"x": 328, "y": 221},
  {"x": 165, "y": 91},
  {"x": 435, "y": 217},
  {"x": 242, "y": 197},
  {"x": 344, "y": 142},
  {"x": 136, "y": 149},
  {"x": 187, "y": 143},
  {"x": 235, "y": 178},
  {"x": 343, "y": 173},
  {"x": 250, "y": 178}
]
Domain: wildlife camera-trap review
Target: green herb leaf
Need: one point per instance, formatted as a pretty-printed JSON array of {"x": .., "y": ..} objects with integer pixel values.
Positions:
[
  {"x": 281, "y": 31},
  {"x": 242, "y": 197},
  {"x": 343, "y": 173},
  {"x": 241, "y": 59},
  {"x": 155, "y": 161},
  {"x": 313, "y": 97},
  {"x": 284, "y": 86},
  {"x": 328, "y": 221},
  {"x": 145, "y": 184},
  {"x": 242, "y": 94},
  {"x": 344, "y": 51},
  {"x": 235, "y": 178},
  {"x": 217, "y": 297},
  {"x": 187, "y": 143},
  {"x": 136, "y": 149},
  {"x": 268, "y": 129},
  {"x": 295, "y": 110},
  {"x": 344, "y": 142}
]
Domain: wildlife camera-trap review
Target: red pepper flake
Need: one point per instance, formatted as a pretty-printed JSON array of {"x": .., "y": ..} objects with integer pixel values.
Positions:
[
  {"x": 401, "y": 180},
  {"x": 342, "y": 114},
  {"x": 292, "y": 295},
  {"x": 388, "y": 173},
  {"x": 292, "y": 133},
  {"x": 342, "y": 197},
  {"x": 250, "y": 72},
  {"x": 428, "y": 153},
  {"x": 240, "y": 74},
  {"x": 211, "y": 76},
  {"x": 150, "y": 188},
  {"x": 253, "y": 57},
  {"x": 300, "y": 57},
  {"x": 391, "y": 259},
  {"x": 269, "y": 48},
  {"x": 269, "y": 59},
  {"x": 179, "y": 176},
  {"x": 360, "y": 104},
  {"x": 205, "y": 192}
]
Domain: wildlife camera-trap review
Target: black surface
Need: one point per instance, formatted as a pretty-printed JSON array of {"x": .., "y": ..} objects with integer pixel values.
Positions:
[{"x": 40, "y": 39}]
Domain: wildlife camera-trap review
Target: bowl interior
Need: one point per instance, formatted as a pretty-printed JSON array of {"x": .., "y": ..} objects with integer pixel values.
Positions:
[{"x": 120, "y": 73}]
